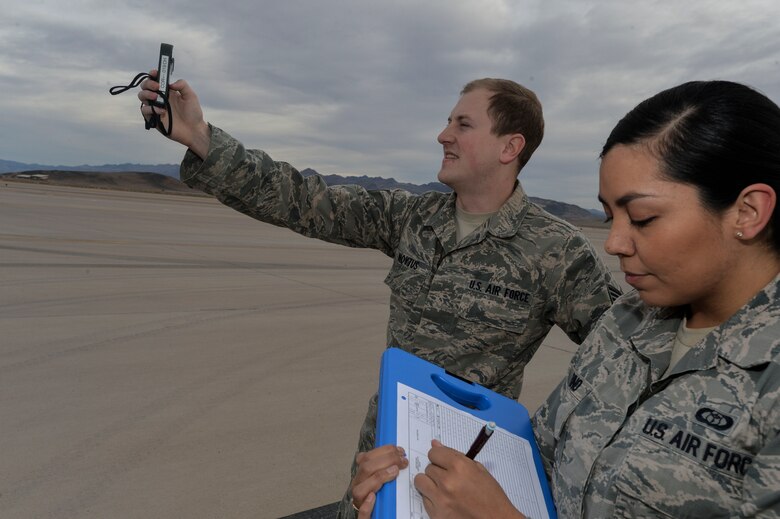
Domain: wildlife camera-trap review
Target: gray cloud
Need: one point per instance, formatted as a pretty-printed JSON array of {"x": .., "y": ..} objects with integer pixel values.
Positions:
[{"x": 359, "y": 86}]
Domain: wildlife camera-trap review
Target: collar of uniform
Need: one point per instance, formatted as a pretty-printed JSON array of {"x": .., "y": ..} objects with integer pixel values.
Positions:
[
  {"x": 442, "y": 221},
  {"x": 743, "y": 339},
  {"x": 749, "y": 337},
  {"x": 506, "y": 222},
  {"x": 503, "y": 224},
  {"x": 654, "y": 338}
]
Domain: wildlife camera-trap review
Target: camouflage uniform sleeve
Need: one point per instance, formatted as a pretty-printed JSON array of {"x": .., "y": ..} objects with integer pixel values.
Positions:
[
  {"x": 252, "y": 183},
  {"x": 544, "y": 427},
  {"x": 550, "y": 417},
  {"x": 761, "y": 488},
  {"x": 584, "y": 289},
  {"x": 761, "y": 485}
]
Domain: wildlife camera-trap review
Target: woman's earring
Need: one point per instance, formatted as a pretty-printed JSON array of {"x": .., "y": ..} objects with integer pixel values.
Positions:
[{"x": 739, "y": 234}]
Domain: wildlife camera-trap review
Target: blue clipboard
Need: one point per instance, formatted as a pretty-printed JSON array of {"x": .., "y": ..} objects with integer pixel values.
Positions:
[{"x": 399, "y": 366}]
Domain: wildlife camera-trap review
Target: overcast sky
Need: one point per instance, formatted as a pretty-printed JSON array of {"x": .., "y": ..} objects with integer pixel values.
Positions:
[{"x": 360, "y": 87}]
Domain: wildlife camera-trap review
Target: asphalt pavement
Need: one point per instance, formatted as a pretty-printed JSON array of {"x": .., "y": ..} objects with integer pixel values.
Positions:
[{"x": 164, "y": 356}]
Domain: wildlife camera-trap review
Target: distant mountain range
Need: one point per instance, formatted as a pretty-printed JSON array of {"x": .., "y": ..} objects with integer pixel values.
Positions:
[
  {"x": 172, "y": 170},
  {"x": 152, "y": 178}
]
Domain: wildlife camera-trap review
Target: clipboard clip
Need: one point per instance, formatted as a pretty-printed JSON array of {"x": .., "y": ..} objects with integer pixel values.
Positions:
[{"x": 462, "y": 395}]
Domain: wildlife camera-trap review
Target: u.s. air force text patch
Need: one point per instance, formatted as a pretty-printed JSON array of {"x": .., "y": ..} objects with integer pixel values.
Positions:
[
  {"x": 501, "y": 291},
  {"x": 696, "y": 447}
]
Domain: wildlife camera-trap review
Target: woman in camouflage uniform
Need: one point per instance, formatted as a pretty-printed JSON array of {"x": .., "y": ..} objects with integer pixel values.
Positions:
[{"x": 671, "y": 407}]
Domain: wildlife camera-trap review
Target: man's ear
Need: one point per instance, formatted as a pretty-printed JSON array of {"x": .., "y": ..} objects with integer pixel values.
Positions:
[
  {"x": 513, "y": 145},
  {"x": 755, "y": 206}
]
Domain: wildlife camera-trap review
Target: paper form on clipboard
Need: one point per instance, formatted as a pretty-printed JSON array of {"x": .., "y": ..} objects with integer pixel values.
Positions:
[{"x": 419, "y": 401}]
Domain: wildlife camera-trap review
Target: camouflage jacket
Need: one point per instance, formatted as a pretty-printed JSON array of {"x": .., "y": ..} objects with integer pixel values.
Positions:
[
  {"x": 619, "y": 439},
  {"x": 479, "y": 308}
]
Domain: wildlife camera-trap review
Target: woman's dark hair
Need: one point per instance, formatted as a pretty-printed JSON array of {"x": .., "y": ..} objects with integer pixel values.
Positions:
[{"x": 716, "y": 136}]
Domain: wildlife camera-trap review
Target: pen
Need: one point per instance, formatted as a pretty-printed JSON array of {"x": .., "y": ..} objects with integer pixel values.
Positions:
[{"x": 481, "y": 440}]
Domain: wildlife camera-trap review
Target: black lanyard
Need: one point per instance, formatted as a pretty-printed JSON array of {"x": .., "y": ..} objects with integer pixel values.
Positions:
[{"x": 153, "y": 121}]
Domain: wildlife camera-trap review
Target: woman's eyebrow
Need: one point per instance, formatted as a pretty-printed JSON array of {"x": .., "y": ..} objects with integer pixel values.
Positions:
[{"x": 626, "y": 199}]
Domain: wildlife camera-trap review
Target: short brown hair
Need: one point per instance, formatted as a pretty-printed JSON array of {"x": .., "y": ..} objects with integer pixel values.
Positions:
[{"x": 513, "y": 108}]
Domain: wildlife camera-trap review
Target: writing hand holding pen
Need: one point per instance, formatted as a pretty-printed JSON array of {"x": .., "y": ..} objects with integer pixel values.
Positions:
[{"x": 454, "y": 485}]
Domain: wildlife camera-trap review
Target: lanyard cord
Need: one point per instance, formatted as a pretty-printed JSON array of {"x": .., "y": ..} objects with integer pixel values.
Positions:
[{"x": 153, "y": 121}]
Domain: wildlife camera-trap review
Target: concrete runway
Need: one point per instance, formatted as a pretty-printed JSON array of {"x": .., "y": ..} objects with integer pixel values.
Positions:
[{"x": 164, "y": 356}]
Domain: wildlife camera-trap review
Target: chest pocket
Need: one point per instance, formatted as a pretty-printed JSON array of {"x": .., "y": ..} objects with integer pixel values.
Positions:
[
  {"x": 656, "y": 479},
  {"x": 495, "y": 310},
  {"x": 407, "y": 280}
]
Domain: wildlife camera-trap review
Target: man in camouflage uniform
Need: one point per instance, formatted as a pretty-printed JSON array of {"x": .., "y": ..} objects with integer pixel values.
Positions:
[
  {"x": 628, "y": 439},
  {"x": 479, "y": 275}
]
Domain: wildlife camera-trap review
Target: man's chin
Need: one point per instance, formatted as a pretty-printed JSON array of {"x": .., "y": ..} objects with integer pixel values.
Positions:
[{"x": 442, "y": 177}]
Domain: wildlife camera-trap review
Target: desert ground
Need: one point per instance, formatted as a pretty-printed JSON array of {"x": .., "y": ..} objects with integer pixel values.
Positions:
[{"x": 164, "y": 356}]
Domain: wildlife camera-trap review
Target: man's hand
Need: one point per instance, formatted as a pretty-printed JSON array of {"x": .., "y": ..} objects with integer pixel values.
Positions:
[
  {"x": 189, "y": 127},
  {"x": 375, "y": 468}
]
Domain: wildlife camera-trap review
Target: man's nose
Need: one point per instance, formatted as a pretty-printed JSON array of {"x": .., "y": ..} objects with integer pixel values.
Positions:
[{"x": 445, "y": 136}]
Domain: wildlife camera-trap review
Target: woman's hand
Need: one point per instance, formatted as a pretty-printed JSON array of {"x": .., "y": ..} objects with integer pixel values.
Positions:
[
  {"x": 375, "y": 468},
  {"x": 454, "y": 486}
]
